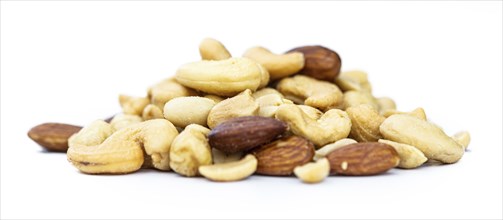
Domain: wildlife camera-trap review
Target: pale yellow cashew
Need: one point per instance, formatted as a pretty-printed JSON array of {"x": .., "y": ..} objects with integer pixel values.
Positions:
[
  {"x": 168, "y": 89},
  {"x": 124, "y": 120},
  {"x": 231, "y": 171},
  {"x": 278, "y": 65},
  {"x": 133, "y": 105},
  {"x": 211, "y": 49},
  {"x": 237, "y": 106},
  {"x": 183, "y": 111},
  {"x": 152, "y": 112},
  {"x": 190, "y": 150}
]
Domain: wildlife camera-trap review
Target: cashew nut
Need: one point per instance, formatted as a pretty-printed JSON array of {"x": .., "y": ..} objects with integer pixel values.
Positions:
[
  {"x": 237, "y": 106},
  {"x": 355, "y": 98},
  {"x": 123, "y": 151},
  {"x": 462, "y": 138},
  {"x": 410, "y": 156},
  {"x": 190, "y": 150},
  {"x": 365, "y": 122},
  {"x": 269, "y": 104},
  {"x": 309, "y": 91},
  {"x": 353, "y": 80},
  {"x": 133, "y": 105},
  {"x": 124, "y": 120},
  {"x": 183, "y": 111},
  {"x": 325, "y": 150},
  {"x": 332, "y": 126},
  {"x": 232, "y": 171},
  {"x": 385, "y": 104},
  {"x": 266, "y": 91},
  {"x": 92, "y": 134},
  {"x": 152, "y": 112},
  {"x": 427, "y": 137},
  {"x": 313, "y": 172},
  {"x": 224, "y": 77},
  {"x": 166, "y": 90},
  {"x": 279, "y": 66},
  {"x": 211, "y": 49},
  {"x": 418, "y": 113},
  {"x": 221, "y": 157}
]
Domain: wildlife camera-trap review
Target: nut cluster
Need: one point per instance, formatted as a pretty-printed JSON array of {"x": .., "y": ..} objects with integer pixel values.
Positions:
[{"x": 227, "y": 118}]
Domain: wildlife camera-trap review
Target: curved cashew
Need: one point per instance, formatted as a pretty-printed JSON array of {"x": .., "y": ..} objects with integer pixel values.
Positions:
[
  {"x": 313, "y": 172},
  {"x": 151, "y": 112},
  {"x": 123, "y": 151},
  {"x": 462, "y": 138},
  {"x": 133, "y": 105},
  {"x": 124, "y": 120},
  {"x": 183, "y": 111},
  {"x": 224, "y": 77},
  {"x": 92, "y": 134},
  {"x": 211, "y": 49},
  {"x": 418, "y": 113},
  {"x": 190, "y": 150},
  {"x": 325, "y": 150},
  {"x": 306, "y": 90},
  {"x": 410, "y": 156},
  {"x": 279, "y": 66},
  {"x": 353, "y": 80},
  {"x": 365, "y": 122},
  {"x": 232, "y": 171},
  {"x": 332, "y": 126},
  {"x": 269, "y": 104},
  {"x": 264, "y": 76},
  {"x": 166, "y": 90},
  {"x": 237, "y": 106},
  {"x": 385, "y": 104},
  {"x": 266, "y": 91},
  {"x": 355, "y": 98}
]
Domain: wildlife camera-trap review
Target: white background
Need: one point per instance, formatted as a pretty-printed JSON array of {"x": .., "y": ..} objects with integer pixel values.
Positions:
[{"x": 68, "y": 61}]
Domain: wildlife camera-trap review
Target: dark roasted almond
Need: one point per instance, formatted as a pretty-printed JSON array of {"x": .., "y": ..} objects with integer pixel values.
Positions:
[{"x": 53, "y": 136}]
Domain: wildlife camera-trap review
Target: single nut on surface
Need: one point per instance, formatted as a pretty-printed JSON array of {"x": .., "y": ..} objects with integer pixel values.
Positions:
[
  {"x": 320, "y": 62},
  {"x": 323, "y": 151},
  {"x": 182, "y": 111},
  {"x": 313, "y": 172},
  {"x": 92, "y": 134},
  {"x": 354, "y": 80},
  {"x": 280, "y": 157},
  {"x": 237, "y": 106},
  {"x": 232, "y": 171},
  {"x": 332, "y": 126},
  {"x": 278, "y": 65},
  {"x": 133, "y": 105},
  {"x": 211, "y": 49},
  {"x": 124, "y": 120},
  {"x": 362, "y": 159},
  {"x": 309, "y": 91},
  {"x": 221, "y": 157},
  {"x": 462, "y": 138},
  {"x": 269, "y": 104},
  {"x": 152, "y": 112},
  {"x": 355, "y": 98},
  {"x": 244, "y": 133},
  {"x": 53, "y": 136},
  {"x": 385, "y": 104},
  {"x": 418, "y": 113},
  {"x": 365, "y": 122},
  {"x": 410, "y": 156},
  {"x": 427, "y": 137},
  {"x": 224, "y": 77},
  {"x": 166, "y": 90},
  {"x": 123, "y": 151},
  {"x": 189, "y": 150}
]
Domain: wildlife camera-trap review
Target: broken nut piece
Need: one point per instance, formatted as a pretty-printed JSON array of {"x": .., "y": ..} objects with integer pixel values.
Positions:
[
  {"x": 313, "y": 172},
  {"x": 232, "y": 171}
]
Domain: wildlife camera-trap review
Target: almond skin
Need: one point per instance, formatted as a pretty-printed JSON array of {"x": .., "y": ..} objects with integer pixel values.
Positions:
[
  {"x": 280, "y": 157},
  {"x": 53, "y": 136},
  {"x": 363, "y": 159},
  {"x": 244, "y": 133},
  {"x": 320, "y": 62}
]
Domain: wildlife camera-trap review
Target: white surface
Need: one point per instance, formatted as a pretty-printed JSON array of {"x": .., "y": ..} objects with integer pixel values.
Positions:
[{"x": 68, "y": 61}]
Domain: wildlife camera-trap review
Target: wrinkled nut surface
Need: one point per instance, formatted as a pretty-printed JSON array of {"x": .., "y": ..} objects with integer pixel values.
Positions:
[
  {"x": 365, "y": 122},
  {"x": 183, "y": 111},
  {"x": 308, "y": 91},
  {"x": 221, "y": 157},
  {"x": 320, "y": 62},
  {"x": 325, "y": 150},
  {"x": 123, "y": 151},
  {"x": 462, "y": 138},
  {"x": 166, "y": 90},
  {"x": 237, "y": 106},
  {"x": 313, "y": 172},
  {"x": 244, "y": 133},
  {"x": 211, "y": 49},
  {"x": 92, "y": 134},
  {"x": 427, "y": 137},
  {"x": 189, "y": 150},
  {"x": 124, "y": 120},
  {"x": 362, "y": 159},
  {"x": 278, "y": 65},
  {"x": 224, "y": 77},
  {"x": 353, "y": 80},
  {"x": 152, "y": 112},
  {"x": 355, "y": 98},
  {"x": 133, "y": 105},
  {"x": 410, "y": 156},
  {"x": 232, "y": 171},
  {"x": 53, "y": 136},
  {"x": 418, "y": 113},
  {"x": 385, "y": 104},
  {"x": 332, "y": 126},
  {"x": 280, "y": 157}
]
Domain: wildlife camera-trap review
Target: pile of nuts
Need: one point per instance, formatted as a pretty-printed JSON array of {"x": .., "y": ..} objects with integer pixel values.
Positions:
[{"x": 226, "y": 118}]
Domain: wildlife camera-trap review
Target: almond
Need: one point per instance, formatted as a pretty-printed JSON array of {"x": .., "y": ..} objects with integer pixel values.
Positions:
[
  {"x": 362, "y": 159},
  {"x": 53, "y": 136},
  {"x": 280, "y": 157},
  {"x": 320, "y": 62},
  {"x": 245, "y": 133}
]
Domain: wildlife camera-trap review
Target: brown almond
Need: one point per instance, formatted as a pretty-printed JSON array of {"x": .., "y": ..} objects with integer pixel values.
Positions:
[
  {"x": 320, "y": 62},
  {"x": 245, "y": 133},
  {"x": 53, "y": 136},
  {"x": 362, "y": 159},
  {"x": 280, "y": 157}
]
